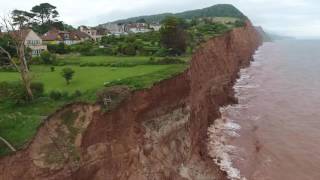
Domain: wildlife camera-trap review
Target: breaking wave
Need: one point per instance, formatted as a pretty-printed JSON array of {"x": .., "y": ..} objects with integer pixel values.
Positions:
[
  {"x": 224, "y": 129},
  {"x": 219, "y": 150}
]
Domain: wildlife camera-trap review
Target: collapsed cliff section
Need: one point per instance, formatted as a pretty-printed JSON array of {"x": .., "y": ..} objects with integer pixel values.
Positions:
[{"x": 158, "y": 133}]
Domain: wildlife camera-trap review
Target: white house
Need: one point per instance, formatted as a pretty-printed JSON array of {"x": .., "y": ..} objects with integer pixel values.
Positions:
[
  {"x": 95, "y": 33},
  {"x": 138, "y": 28},
  {"x": 155, "y": 27},
  {"x": 114, "y": 29},
  {"x": 34, "y": 42}
]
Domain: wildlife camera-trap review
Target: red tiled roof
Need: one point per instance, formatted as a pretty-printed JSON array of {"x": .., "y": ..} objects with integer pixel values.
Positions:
[
  {"x": 80, "y": 34},
  {"x": 55, "y": 35},
  {"x": 51, "y": 36}
]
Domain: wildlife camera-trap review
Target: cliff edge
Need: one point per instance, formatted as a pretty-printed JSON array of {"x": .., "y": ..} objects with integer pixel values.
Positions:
[{"x": 158, "y": 133}]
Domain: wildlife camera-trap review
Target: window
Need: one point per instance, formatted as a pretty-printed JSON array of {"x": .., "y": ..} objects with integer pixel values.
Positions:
[{"x": 66, "y": 36}]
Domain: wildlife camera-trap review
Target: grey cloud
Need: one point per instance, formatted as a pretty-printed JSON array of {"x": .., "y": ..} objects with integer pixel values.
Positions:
[{"x": 290, "y": 17}]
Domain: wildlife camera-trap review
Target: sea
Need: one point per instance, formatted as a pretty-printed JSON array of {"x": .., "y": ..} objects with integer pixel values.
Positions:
[{"x": 273, "y": 133}]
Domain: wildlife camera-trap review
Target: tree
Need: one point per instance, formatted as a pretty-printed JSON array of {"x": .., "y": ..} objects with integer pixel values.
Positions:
[
  {"x": 142, "y": 20},
  {"x": 173, "y": 35},
  {"x": 22, "y": 18},
  {"x": 6, "y": 43},
  {"x": 47, "y": 57},
  {"x": 45, "y": 13},
  {"x": 45, "y": 16},
  {"x": 16, "y": 27},
  {"x": 67, "y": 74},
  {"x": 8, "y": 144}
]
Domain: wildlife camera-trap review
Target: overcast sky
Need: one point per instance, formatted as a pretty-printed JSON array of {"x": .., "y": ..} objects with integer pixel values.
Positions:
[{"x": 299, "y": 18}]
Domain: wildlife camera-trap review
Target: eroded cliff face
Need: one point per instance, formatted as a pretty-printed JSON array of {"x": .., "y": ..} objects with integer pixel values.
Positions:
[{"x": 159, "y": 133}]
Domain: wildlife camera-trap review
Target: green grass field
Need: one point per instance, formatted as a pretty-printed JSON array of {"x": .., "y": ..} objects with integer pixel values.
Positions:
[
  {"x": 85, "y": 78},
  {"x": 18, "y": 123},
  {"x": 103, "y": 59},
  {"x": 77, "y": 60}
]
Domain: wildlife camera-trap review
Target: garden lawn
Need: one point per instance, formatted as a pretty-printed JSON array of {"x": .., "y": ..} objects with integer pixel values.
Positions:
[
  {"x": 78, "y": 60},
  {"x": 103, "y": 59},
  {"x": 85, "y": 78}
]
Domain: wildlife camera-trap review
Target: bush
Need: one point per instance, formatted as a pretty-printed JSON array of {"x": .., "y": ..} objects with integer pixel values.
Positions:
[
  {"x": 89, "y": 52},
  {"x": 67, "y": 73},
  {"x": 47, "y": 58},
  {"x": 55, "y": 95},
  {"x": 65, "y": 95},
  {"x": 166, "y": 60},
  {"x": 52, "y": 68},
  {"x": 37, "y": 89},
  {"x": 8, "y": 68},
  {"x": 36, "y": 60},
  {"x": 86, "y": 48},
  {"x": 16, "y": 92},
  {"x": 239, "y": 23},
  {"x": 108, "y": 51},
  {"x": 162, "y": 52},
  {"x": 76, "y": 94},
  {"x": 116, "y": 94},
  {"x": 59, "y": 48}
]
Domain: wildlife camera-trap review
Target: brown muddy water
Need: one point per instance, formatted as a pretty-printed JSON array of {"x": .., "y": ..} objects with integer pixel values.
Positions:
[{"x": 274, "y": 131}]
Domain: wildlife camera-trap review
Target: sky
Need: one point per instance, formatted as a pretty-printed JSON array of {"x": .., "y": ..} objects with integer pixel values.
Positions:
[{"x": 297, "y": 18}]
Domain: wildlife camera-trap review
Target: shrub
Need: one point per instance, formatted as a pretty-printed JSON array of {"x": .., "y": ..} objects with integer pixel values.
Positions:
[
  {"x": 116, "y": 94},
  {"x": 52, "y": 68},
  {"x": 108, "y": 51},
  {"x": 162, "y": 52},
  {"x": 129, "y": 50},
  {"x": 47, "y": 58},
  {"x": 36, "y": 60},
  {"x": 37, "y": 89},
  {"x": 86, "y": 48},
  {"x": 239, "y": 23},
  {"x": 59, "y": 48},
  {"x": 65, "y": 94},
  {"x": 166, "y": 60},
  {"x": 67, "y": 73},
  {"x": 16, "y": 92},
  {"x": 152, "y": 59},
  {"x": 76, "y": 94},
  {"x": 55, "y": 95},
  {"x": 89, "y": 52},
  {"x": 8, "y": 68}
]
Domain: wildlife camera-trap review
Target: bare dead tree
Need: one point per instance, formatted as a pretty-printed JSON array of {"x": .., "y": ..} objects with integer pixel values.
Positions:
[
  {"x": 8, "y": 144},
  {"x": 16, "y": 28}
]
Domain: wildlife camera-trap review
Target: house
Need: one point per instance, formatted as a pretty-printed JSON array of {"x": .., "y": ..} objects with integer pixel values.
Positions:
[
  {"x": 114, "y": 29},
  {"x": 155, "y": 27},
  {"x": 83, "y": 36},
  {"x": 56, "y": 37},
  {"x": 138, "y": 28},
  {"x": 30, "y": 39},
  {"x": 33, "y": 41},
  {"x": 95, "y": 33}
]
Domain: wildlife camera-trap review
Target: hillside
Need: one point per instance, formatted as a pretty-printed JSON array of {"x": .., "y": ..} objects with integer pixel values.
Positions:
[
  {"x": 220, "y": 10},
  {"x": 265, "y": 36}
]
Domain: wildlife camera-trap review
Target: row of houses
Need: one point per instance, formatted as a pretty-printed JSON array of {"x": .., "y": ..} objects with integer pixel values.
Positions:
[
  {"x": 122, "y": 29},
  {"x": 39, "y": 43}
]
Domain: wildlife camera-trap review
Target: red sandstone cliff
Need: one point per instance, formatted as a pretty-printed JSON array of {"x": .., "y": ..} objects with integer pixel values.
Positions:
[{"x": 159, "y": 133}]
